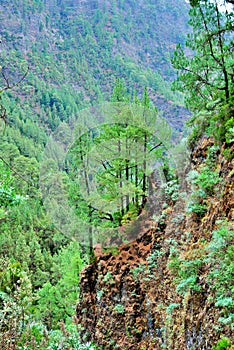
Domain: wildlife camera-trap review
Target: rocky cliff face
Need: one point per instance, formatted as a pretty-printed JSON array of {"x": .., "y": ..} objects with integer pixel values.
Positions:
[{"x": 167, "y": 288}]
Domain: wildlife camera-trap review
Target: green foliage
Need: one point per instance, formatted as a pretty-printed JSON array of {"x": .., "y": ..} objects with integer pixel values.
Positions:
[
  {"x": 93, "y": 49},
  {"x": 132, "y": 214},
  {"x": 171, "y": 190},
  {"x": 109, "y": 165},
  {"x": 186, "y": 270},
  {"x": 138, "y": 271},
  {"x": 119, "y": 308},
  {"x": 69, "y": 70},
  {"x": 203, "y": 183},
  {"x": 50, "y": 305},
  {"x": 8, "y": 192},
  {"x": 207, "y": 179},
  {"x": 16, "y": 298},
  {"x": 229, "y": 126},
  {"x": 221, "y": 249},
  {"x": 195, "y": 207},
  {"x": 51, "y": 272},
  {"x": 66, "y": 338},
  {"x": 206, "y": 77},
  {"x": 109, "y": 278},
  {"x": 119, "y": 93},
  {"x": 152, "y": 259},
  {"x": 218, "y": 255},
  {"x": 222, "y": 344},
  {"x": 145, "y": 271},
  {"x": 56, "y": 302},
  {"x": 171, "y": 307}
]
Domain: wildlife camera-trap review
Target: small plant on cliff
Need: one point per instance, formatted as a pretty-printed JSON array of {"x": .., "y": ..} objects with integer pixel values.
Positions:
[
  {"x": 152, "y": 259},
  {"x": 186, "y": 267},
  {"x": 119, "y": 308},
  {"x": 217, "y": 256},
  {"x": 109, "y": 278},
  {"x": 222, "y": 344},
  {"x": 221, "y": 274},
  {"x": 203, "y": 183},
  {"x": 66, "y": 338},
  {"x": 138, "y": 271},
  {"x": 171, "y": 307},
  {"x": 171, "y": 191},
  {"x": 195, "y": 207}
]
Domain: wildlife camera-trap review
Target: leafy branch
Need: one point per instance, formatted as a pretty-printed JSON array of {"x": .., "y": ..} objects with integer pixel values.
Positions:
[{"x": 8, "y": 86}]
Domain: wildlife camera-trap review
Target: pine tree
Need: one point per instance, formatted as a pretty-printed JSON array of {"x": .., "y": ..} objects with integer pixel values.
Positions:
[
  {"x": 112, "y": 162},
  {"x": 119, "y": 93},
  {"x": 206, "y": 76}
]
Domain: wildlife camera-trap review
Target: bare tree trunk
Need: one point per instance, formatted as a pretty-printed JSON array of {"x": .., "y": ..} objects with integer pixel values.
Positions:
[
  {"x": 127, "y": 174},
  {"x": 144, "y": 180}
]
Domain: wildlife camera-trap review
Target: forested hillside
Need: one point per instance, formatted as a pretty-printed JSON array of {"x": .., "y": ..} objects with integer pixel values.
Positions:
[
  {"x": 84, "y": 90},
  {"x": 58, "y": 57},
  {"x": 172, "y": 286},
  {"x": 80, "y": 48}
]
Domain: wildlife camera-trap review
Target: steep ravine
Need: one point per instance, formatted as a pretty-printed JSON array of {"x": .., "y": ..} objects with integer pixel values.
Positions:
[{"x": 133, "y": 300}]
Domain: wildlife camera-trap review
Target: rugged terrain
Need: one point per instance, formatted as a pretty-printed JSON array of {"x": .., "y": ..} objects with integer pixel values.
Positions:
[
  {"x": 171, "y": 285},
  {"x": 161, "y": 290}
]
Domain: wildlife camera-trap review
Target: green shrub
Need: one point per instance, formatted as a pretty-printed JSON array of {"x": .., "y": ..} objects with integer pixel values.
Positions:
[
  {"x": 220, "y": 252},
  {"x": 109, "y": 278},
  {"x": 203, "y": 183},
  {"x": 119, "y": 308},
  {"x": 171, "y": 190},
  {"x": 222, "y": 344},
  {"x": 196, "y": 207},
  {"x": 66, "y": 338}
]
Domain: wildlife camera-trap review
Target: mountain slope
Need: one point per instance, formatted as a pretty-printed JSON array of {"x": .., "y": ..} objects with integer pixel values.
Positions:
[
  {"x": 76, "y": 50},
  {"x": 172, "y": 286}
]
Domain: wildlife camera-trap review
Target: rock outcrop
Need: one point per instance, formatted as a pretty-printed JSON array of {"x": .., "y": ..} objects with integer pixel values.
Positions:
[{"x": 158, "y": 291}]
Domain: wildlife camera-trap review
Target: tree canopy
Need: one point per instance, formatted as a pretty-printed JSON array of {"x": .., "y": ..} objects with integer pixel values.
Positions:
[{"x": 205, "y": 68}]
